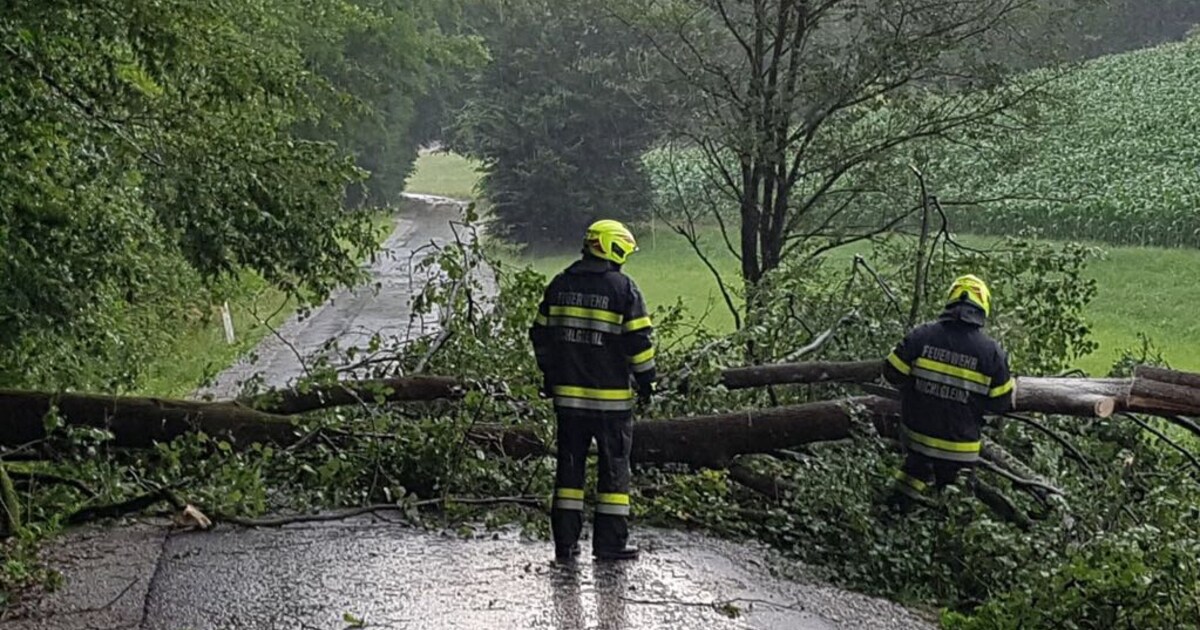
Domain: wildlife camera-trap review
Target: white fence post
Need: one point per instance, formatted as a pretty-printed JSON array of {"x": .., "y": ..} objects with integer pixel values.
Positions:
[{"x": 227, "y": 320}]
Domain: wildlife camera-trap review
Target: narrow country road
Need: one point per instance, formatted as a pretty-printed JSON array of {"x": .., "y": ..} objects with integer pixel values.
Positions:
[
  {"x": 351, "y": 316},
  {"x": 143, "y": 575}
]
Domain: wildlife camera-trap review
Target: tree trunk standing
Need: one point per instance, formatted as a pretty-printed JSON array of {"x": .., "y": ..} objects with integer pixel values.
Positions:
[
  {"x": 922, "y": 243},
  {"x": 792, "y": 84},
  {"x": 751, "y": 217}
]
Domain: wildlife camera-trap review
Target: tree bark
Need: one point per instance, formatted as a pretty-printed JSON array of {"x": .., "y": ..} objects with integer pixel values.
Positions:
[
  {"x": 811, "y": 372},
  {"x": 1177, "y": 392},
  {"x": 140, "y": 422},
  {"x": 1151, "y": 391},
  {"x": 713, "y": 441}
]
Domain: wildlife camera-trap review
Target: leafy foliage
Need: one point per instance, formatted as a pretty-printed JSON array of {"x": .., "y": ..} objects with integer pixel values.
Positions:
[
  {"x": 149, "y": 150},
  {"x": 555, "y": 120}
]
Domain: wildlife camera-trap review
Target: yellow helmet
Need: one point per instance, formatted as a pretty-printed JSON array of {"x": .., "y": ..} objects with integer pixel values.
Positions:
[
  {"x": 972, "y": 290},
  {"x": 609, "y": 240}
]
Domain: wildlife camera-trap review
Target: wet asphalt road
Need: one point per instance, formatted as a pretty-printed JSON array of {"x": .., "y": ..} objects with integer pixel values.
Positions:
[
  {"x": 352, "y": 316},
  {"x": 390, "y": 576},
  {"x": 140, "y": 576},
  {"x": 393, "y": 577}
]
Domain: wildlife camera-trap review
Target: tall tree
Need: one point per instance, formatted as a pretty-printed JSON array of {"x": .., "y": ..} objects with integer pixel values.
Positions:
[
  {"x": 793, "y": 103},
  {"x": 556, "y": 119}
]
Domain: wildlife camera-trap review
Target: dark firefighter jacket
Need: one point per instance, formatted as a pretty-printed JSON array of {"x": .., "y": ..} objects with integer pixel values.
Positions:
[
  {"x": 949, "y": 373},
  {"x": 592, "y": 338}
]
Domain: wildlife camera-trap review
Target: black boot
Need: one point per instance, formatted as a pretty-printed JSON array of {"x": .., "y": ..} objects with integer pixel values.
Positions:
[{"x": 629, "y": 552}]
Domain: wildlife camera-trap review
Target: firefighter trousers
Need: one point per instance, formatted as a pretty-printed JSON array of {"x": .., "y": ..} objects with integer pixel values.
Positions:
[
  {"x": 922, "y": 474},
  {"x": 613, "y": 433}
]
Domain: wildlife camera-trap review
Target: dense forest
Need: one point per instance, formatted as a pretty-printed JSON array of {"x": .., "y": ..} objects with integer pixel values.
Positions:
[{"x": 158, "y": 158}]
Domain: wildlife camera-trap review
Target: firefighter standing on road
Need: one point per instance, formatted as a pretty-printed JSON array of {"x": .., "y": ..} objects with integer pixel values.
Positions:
[
  {"x": 950, "y": 373},
  {"x": 592, "y": 338}
]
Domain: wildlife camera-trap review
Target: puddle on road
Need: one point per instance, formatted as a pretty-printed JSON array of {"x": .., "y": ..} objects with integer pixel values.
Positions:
[{"x": 391, "y": 576}]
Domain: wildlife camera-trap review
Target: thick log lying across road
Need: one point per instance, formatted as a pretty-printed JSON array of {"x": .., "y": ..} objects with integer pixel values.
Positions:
[
  {"x": 1090, "y": 397},
  {"x": 715, "y": 440},
  {"x": 1152, "y": 391},
  {"x": 139, "y": 422},
  {"x": 707, "y": 440},
  {"x": 1176, "y": 392},
  {"x": 811, "y": 372}
]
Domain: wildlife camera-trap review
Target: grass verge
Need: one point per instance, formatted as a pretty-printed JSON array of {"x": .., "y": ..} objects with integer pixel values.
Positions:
[{"x": 200, "y": 351}]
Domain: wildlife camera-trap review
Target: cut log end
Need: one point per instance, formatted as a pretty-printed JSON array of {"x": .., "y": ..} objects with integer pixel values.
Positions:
[{"x": 1105, "y": 407}]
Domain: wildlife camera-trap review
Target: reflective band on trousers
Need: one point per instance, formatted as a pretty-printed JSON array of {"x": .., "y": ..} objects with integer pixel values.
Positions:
[
  {"x": 614, "y": 498},
  {"x": 614, "y": 503},
  {"x": 938, "y": 448},
  {"x": 568, "y": 499},
  {"x": 910, "y": 482}
]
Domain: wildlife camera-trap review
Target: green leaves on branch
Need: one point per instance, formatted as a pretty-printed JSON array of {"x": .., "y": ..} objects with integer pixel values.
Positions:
[{"x": 151, "y": 150}]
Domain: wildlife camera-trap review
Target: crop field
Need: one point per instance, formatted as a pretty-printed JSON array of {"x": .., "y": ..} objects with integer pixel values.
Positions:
[{"x": 1117, "y": 165}]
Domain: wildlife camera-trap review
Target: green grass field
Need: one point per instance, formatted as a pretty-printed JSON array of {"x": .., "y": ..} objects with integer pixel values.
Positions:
[
  {"x": 445, "y": 174},
  {"x": 1141, "y": 290}
]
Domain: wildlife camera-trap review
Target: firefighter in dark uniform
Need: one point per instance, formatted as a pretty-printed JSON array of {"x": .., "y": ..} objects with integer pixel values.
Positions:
[
  {"x": 592, "y": 338},
  {"x": 950, "y": 373}
]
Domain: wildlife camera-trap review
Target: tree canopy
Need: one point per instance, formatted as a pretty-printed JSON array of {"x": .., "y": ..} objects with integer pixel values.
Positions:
[
  {"x": 150, "y": 149},
  {"x": 557, "y": 120}
]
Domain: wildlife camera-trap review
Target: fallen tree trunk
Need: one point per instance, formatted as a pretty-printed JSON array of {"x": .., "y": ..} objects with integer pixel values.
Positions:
[
  {"x": 1175, "y": 392},
  {"x": 137, "y": 422},
  {"x": 713, "y": 441},
  {"x": 811, "y": 372},
  {"x": 140, "y": 422},
  {"x": 704, "y": 441},
  {"x": 1153, "y": 391}
]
